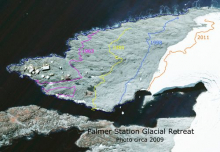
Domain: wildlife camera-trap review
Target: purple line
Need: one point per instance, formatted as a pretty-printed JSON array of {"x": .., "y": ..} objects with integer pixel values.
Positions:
[
  {"x": 62, "y": 88},
  {"x": 80, "y": 76},
  {"x": 80, "y": 59}
]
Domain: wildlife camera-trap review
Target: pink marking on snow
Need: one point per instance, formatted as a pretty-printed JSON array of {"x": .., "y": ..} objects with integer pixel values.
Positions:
[
  {"x": 80, "y": 76},
  {"x": 62, "y": 88}
]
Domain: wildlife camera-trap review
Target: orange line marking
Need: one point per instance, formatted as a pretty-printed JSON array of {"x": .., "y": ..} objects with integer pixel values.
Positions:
[{"x": 184, "y": 52}]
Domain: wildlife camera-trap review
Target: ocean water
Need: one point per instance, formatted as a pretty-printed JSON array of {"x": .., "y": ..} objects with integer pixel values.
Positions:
[
  {"x": 38, "y": 28},
  {"x": 169, "y": 104}
]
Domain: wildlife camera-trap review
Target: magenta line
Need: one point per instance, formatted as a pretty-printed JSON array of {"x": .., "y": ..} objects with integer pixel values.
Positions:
[
  {"x": 62, "y": 88},
  {"x": 80, "y": 76},
  {"x": 80, "y": 59}
]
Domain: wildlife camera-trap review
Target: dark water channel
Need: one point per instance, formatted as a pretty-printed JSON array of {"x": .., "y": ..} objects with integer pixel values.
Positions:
[
  {"x": 39, "y": 28},
  {"x": 169, "y": 104}
]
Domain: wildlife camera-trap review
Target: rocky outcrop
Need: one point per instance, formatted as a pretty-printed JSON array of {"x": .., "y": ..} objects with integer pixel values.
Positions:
[{"x": 24, "y": 121}]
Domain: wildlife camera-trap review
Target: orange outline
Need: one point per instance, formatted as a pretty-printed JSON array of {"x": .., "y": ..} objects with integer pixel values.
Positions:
[{"x": 184, "y": 52}]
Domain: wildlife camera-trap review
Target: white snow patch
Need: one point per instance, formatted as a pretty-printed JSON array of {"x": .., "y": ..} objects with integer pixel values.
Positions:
[{"x": 200, "y": 64}]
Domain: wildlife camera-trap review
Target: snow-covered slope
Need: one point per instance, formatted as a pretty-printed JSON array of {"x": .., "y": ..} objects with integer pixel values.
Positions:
[
  {"x": 98, "y": 79},
  {"x": 199, "y": 63}
]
